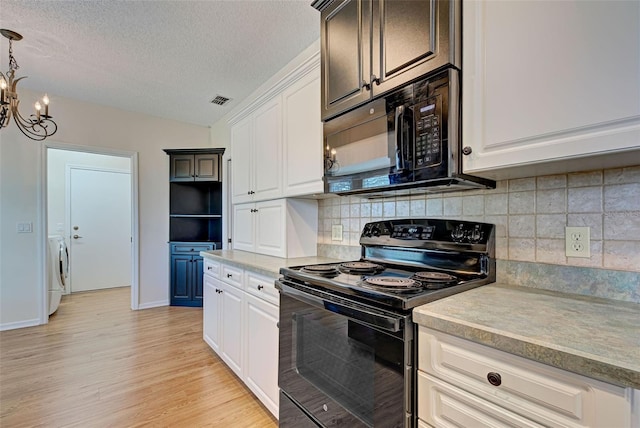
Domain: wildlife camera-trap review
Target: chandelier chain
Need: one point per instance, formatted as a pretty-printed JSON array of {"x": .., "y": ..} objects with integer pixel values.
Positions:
[{"x": 13, "y": 64}]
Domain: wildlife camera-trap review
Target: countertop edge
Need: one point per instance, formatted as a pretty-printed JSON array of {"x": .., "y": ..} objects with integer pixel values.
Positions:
[
  {"x": 256, "y": 262},
  {"x": 566, "y": 359}
]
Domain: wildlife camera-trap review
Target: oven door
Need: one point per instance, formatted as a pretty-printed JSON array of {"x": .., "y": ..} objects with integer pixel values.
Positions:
[{"x": 345, "y": 364}]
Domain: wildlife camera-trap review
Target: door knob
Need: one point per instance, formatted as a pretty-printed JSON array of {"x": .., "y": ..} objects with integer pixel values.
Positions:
[{"x": 76, "y": 236}]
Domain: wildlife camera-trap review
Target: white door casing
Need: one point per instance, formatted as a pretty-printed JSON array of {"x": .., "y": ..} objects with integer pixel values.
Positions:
[{"x": 99, "y": 212}]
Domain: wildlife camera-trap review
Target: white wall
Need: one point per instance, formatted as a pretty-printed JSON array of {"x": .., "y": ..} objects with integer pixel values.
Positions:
[
  {"x": 57, "y": 161},
  {"x": 85, "y": 124}
]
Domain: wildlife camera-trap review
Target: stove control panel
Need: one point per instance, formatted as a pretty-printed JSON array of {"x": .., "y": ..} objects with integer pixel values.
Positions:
[{"x": 414, "y": 232}]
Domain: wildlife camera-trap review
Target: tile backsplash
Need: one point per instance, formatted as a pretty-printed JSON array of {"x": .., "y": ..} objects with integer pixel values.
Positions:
[{"x": 530, "y": 215}]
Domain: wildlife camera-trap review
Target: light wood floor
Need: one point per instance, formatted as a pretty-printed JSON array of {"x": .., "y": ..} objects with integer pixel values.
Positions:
[{"x": 99, "y": 364}]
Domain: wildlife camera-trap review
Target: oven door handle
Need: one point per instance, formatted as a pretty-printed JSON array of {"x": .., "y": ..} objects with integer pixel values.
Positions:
[{"x": 360, "y": 314}]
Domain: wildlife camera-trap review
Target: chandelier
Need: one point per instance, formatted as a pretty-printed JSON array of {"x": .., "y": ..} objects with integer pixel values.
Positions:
[{"x": 37, "y": 126}]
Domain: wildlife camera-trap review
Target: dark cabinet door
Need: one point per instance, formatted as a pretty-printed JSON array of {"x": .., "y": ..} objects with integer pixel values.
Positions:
[
  {"x": 207, "y": 167},
  {"x": 346, "y": 60},
  {"x": 181, "y": 278},
  {"x": 182, "y": 168},
  {"x": 197, "y": 263},
  {"x": 409, "y": 38},
  {"x": 186, "y": 280}
]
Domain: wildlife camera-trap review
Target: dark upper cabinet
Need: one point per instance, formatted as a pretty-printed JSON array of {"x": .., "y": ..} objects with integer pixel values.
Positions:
[
  {"x": 195, "y": 167},
  {"x": 370, "y": 47},
  {"x": 346, "y": 55}
]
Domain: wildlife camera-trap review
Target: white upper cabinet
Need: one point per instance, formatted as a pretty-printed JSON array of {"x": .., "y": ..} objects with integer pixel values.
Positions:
[
  {"x": 276, "y": 142},
  {"x": 550, "y": 87},
  {"x": 302, "y": 137},
  {"x": 280, "y": 227},
  {"x": 257, "y": 154}
]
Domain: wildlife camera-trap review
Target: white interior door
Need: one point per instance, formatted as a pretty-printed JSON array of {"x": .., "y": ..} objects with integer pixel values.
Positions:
[{"x": 100, "y": 220}]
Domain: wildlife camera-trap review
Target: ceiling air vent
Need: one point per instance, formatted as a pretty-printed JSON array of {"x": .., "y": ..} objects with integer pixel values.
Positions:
[{"x": 220, "y": 100}]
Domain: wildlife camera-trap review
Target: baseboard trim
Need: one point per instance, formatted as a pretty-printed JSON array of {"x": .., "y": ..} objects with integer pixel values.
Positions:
[
  {"x": 19, "y": 324},
  {"x": 155, "y": 304}
]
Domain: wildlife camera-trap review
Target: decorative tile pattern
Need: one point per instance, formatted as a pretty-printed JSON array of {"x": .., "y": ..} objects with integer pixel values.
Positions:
[{"x": 530, "y": 215}]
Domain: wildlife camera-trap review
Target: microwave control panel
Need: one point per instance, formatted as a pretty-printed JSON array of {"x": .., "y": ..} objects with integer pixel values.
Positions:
[{"x": 428, "y": 139}]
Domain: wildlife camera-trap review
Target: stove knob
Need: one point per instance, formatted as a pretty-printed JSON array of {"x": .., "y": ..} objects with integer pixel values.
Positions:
[
  {"x": 476, "y": 234},
  {"x": 457, "y": 234}
]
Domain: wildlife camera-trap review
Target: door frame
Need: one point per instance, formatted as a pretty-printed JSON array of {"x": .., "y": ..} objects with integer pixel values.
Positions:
[
  {"x": 67, "y": 201},
  {"x": 42, "y": 219}
]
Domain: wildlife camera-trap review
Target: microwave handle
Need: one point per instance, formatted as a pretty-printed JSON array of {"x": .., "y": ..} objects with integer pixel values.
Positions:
[{"x": 398, "y": 125}]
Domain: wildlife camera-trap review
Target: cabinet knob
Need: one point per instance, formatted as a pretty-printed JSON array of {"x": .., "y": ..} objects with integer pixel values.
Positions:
[
  {"x": 375, "y": 80},
  {"x": 252, "y": 192},
  {"x": 494, "y": 378},
  {"x": 208, "y": 267},
  {"x": 466, "y": 150},
  {"x": 260, "y": 287},
  {"x": 366, "y": 86},
  {"x": 229, "y": 275}
]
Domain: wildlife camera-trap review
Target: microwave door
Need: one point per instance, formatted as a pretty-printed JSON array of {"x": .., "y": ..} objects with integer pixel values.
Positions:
[{"x": 402, "y": 131}]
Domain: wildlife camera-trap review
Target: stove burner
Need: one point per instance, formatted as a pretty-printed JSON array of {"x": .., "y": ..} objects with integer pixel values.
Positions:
[
  {"x": 322, "y": 270},
  {"x": 391, "y": 282},
  {"x": 435, "y": 280},
  {"x": 360, "y": 268}
]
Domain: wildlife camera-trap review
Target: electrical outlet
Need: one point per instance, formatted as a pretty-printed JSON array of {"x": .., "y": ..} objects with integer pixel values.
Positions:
[
  {"x": 336, "y": 232},
  {"x": 577, "y": 242}
]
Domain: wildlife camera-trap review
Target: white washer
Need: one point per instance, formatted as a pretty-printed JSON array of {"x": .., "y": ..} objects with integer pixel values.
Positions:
[{"x": 58, "y": 271}]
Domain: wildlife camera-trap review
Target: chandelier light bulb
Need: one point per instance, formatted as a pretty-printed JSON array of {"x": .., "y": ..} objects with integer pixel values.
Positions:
[
  {"x": 3, "y": 83},
  {"x": 45, "y": 101},
  {"x": 38, "y": 106}
]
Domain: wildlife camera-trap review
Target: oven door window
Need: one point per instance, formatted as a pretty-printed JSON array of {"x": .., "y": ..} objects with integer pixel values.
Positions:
[{"x": 342, "y": 372}]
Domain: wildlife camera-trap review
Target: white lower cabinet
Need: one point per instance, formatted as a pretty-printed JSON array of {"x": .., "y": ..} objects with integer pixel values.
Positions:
[
  {"x": 464, "y": 384},
  {"x": 261, "y": 344},
  {"x": 240, "y": 317},
  {"x": 222, "y": 320}
]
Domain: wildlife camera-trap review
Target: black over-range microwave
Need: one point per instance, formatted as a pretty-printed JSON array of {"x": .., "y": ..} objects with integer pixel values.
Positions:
[{"x": 405, "y": 140}]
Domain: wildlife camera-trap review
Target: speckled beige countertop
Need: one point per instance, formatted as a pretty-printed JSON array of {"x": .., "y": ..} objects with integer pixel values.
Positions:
[
  {"x": 265, "y": 265},
  {"x": 593, "y": 337}
]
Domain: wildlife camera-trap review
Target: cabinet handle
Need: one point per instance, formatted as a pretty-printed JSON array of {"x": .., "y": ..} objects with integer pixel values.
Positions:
[
  {"x": 251, "y": 192},
  {"x": 260, "y": 287},
  {"x": 375, "y": 80},
  {"x": 494, "y": 378},
  {"x": 366, "y": 85},
  {"x": 208, "y": 267},
  {"x": 229, "y": 275}
]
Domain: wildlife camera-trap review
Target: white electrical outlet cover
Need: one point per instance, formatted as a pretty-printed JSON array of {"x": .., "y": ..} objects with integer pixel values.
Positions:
[{"x": 577, "y": 242}]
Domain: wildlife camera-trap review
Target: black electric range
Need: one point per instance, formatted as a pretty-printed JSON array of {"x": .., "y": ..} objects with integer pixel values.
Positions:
[{"x": 408, "y": 262}]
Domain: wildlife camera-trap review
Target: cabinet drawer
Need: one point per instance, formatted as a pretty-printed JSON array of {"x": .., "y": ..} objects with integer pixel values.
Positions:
[
  {"x": 186, "y": 247},
  {"x": 212, "y": 268},
  {"x": 545, "y": 394},
  {"x": 232, "y": 275},
  {"x": 263, "y": 287},
  {"x": 443, "y": 405}
]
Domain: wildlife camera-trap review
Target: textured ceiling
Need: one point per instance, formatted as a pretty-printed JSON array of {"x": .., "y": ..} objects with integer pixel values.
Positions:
[{"x": 163, "y": 58}]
